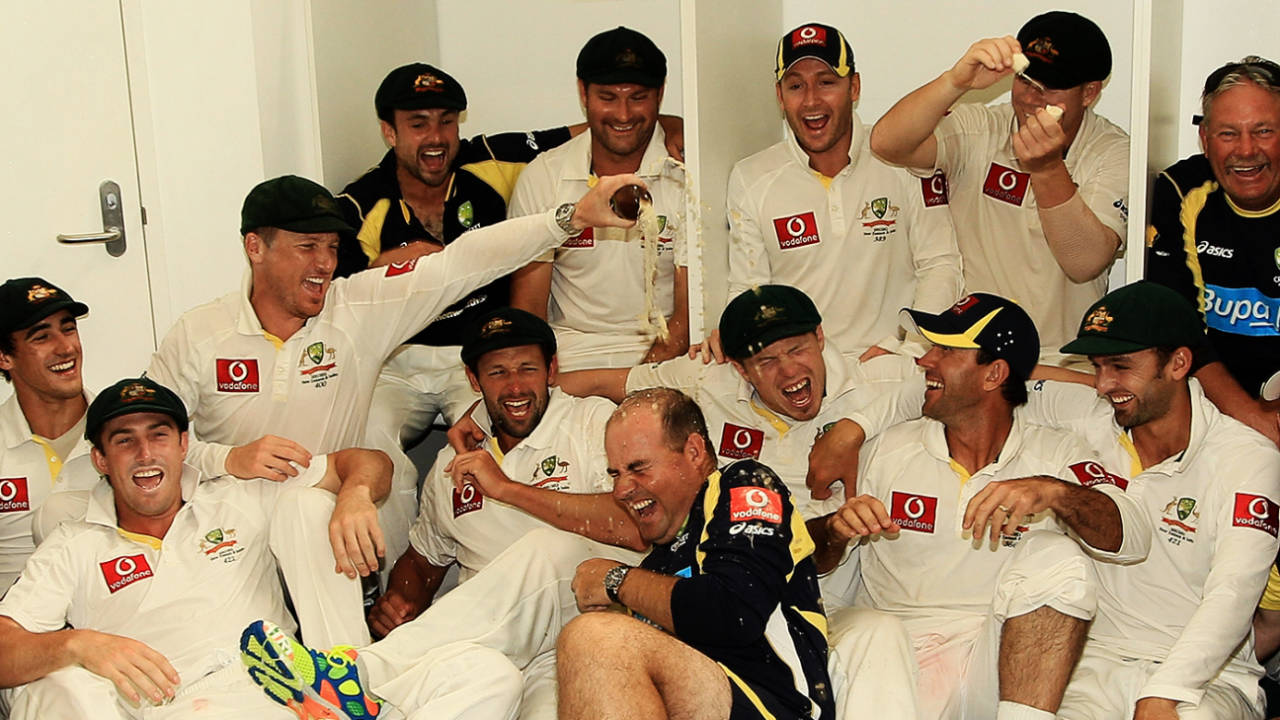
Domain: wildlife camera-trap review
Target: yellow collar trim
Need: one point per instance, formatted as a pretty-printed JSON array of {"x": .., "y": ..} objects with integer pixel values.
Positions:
[
  {"x": 772, "y": 418},
  {"x": 153, "y": 542}
]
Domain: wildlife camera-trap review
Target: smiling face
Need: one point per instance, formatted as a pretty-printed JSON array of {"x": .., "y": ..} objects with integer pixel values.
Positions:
[
  {"x": 621, "y": 118},
  {"x": 1139, "y": 385},
  {"x": 141, "y": 454},
  {"x": 425, "y": 143},
  {"x": 1241, "y": 137},
  {"x": 818, "y": 104},
  {"x": 291, "y": 271},
  {"x": 655, "y": 483},
  {"x": 954, "y": 383},
  {"x": 789, "y": 375},
  {"x": 46, "y": 358},
  {"x": 515, "y": 384}
]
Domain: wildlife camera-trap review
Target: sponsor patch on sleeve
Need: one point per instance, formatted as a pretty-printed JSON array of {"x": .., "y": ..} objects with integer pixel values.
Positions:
[
  {"x": 401, "y": 268},
  {"x": 739, "y": 442},
  {"x": 755, "y": 503},
  {"x": 1256, "y": 511},
  {"x": 124, "y": 571},
  {"x": 583, "y": 240},
  {"x": 1091, "y": 473},
  {"x": 918, "y": 513},
  {"x": 934, "y": 189}
]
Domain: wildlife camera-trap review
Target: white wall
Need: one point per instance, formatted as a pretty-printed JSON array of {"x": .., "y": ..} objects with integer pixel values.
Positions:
[{"x": 518, "y": 63}]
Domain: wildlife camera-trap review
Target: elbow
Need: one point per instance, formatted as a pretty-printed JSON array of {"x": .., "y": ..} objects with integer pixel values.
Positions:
[
  {"x": 882, "y": 146},
  {"x": 1085, "y": 273}
]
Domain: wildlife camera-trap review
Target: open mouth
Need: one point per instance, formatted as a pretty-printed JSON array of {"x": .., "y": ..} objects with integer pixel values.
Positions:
[
  {"x": 815, "y": 123},
  {"x": 518, "y": 409},
  {"x": 1120, "y": 400},
  {"x": 643, "y": 508},
  {"x": 622, "y": 129},
  {"x": 799, "y": 393},
  {"x": 66, "y": 367},
  {"x": 148, "y": 478},
  {"x": 314, "y": 284},
  {"x": 433, "y": 158},
  {"x": 1247, "y": 171}
]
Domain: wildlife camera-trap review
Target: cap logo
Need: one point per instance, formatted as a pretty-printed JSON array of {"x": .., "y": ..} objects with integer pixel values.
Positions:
[
  {"x": 809, "y": 35},
  {"x": 324, "y": 203},
  {"x": 1278, "y": 258},
  {"x": 495, "y": 326},
  {"x": 1098, "y": 320},
  {"x": 136, "y": 392},
  {"x": 1041, "y": 49},
  {"x": 767, "y": 314},
  {"x": 963, "y": 304},
  {"x": 426, "y": 82},
  {"x": 39, "y": 293},
  {"x": 627, "y": 59}
]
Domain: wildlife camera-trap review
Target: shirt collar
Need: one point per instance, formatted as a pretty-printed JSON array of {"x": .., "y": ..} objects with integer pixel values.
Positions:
[
  {"x": 14, "y": 428},
  {"x": 935, "y": 443}
]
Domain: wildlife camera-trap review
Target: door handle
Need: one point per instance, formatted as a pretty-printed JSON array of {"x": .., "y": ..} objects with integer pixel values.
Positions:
[{"x": 112, "y": 234}]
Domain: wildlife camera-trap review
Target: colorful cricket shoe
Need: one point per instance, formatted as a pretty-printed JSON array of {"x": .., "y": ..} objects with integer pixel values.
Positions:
[{"x": 314, "y": 684}]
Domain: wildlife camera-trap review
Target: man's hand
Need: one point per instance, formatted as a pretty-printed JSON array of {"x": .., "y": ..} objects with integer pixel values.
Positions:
[
  {"x": 709, "y": 349},
  {"x": 984, "y": 63},
  {"x": 873, "y": 352},
  {"x": 415, "y": 249},
  {"x": 267, "y": 457},
  {"x": 397, "y": 606},
  {"x": 465, "y": 435},
  {"x": 588, "y": 584},
  {"x": 133, "y": 666},
  {"x": 593, "y": 209},
  {"x": 480, "y": 469},
  {"x": 355, "y": 535},
  {"x": 1154, "y": 708},
  {"x": 660, "y": 350},
  {"x": 834, "y": 458},
  {"x": 1039, "y": 143},
  {"x": 1006, "y": 504},
  {"x": 859, "y": 517}
]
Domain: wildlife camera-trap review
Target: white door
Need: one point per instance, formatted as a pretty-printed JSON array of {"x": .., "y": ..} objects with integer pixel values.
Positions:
[{"x": 66, "y": 129}]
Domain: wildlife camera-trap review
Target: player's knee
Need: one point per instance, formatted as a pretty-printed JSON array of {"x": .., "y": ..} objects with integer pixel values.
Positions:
[
  {"x": 594, "y": 635},
  {"x": 1047, "y": 569}
]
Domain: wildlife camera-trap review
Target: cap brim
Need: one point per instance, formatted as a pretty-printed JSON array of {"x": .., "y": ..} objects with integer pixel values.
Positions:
[
  {"x": 431, "y": 102},
  {"x": 321, "y": 224},
  {"x": 78, "y": 309},
  {"x": 773, "y": 335},
  {"x": 626, "y": 77},
  {"x": 1092, "y": 345},
  {"x": 918, "y": 321}
]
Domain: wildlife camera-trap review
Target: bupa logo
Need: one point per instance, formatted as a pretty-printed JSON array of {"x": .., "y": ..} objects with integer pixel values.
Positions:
[
  {"x": 739, "y": 442},
  {"x": 401, "y": 268},
  {"x": 466, "y": 500},
  {"x": 125, "y": 571},
  {"x": 1006, "y": 184},
  {"x": 914, "y": 512},
  {"x": 237, "y": 375},
  {"x": 754, "y": 503},
  {"x": 584, "y": 239},
  {"x": 1091, "y": 473},
  {"x": 13, "y": 495},
  {"x": 1256, "y": 511},
  {"x": 796, "y": 231},
  {"x": 934, "y": 189}
]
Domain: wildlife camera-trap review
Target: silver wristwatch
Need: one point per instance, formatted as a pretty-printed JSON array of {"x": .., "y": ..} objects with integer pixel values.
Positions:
[
  {"x": 613, "y": 581},
  {"x": 564, "y": 218}
]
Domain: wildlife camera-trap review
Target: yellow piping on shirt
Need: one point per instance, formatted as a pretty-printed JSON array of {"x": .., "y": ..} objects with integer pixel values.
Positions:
[
  {"x": 370, "y": 235},
  {"x": 51, "y": 457},
  {"x": 152, "y": 542},
  {"x": 746, "y": 690},
  {"x": 1135, "y": 460},
  {"x": 1192, "y": 204},
  {"x": 778, "y": 423}
]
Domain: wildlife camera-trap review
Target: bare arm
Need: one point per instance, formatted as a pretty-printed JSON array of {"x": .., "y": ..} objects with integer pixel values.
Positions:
[
  {"x": 677, "y": 342},
  {"x": 411, "y": 587},
  {"x": 531, "y": 288},
  {"x": 905, "y": 134},
  {"x": 828, "y": 547},
  {"x": 592, "y": 515},
  {"x": 1003, "y": 505},
  {"x": 126, "y": 662},
  {"x": 611, "y": 383},
  {"x": 361, "y": 478},
  {"x": 645, "y": 592}
]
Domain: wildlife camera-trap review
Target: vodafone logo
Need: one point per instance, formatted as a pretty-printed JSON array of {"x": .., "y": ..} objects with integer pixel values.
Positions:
[
  {"x": 1006, "y": 184},
  {"x": 466, "y": 500},
  {"x": 755, "y": 503},
  {"x": 1258, "y": 512},
  {"x": 934, "y": 189},
  {"x": 122, "y": 572},
  {"x": 401, "y": 268},
  {"x": 236, "y": 375},
  {"x": 795, "y": 231},
  {"x": 13, "y": 495},
  {"x": 808, "y": 35},
  {"x": 739, "y": 442},
  {"x": 583, "y": 240},
  {"x": 917, "y": 513},
  {"x": 1091, "y": 473}
]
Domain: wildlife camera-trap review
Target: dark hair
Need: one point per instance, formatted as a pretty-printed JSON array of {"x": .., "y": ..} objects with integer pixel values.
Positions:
[
  {"x": 1014, "y": 389},
  {"x": 680, "y": 415},
  {"x": 266, "y": 232},
  {"x": 1252, "y": 69}
]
